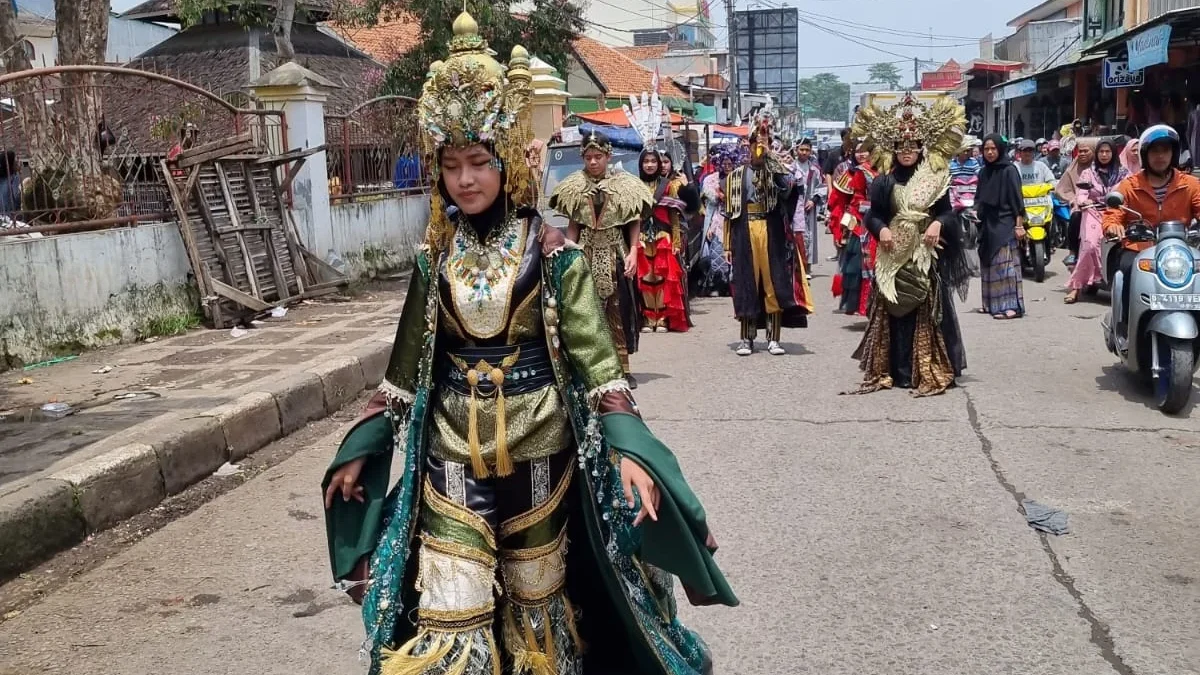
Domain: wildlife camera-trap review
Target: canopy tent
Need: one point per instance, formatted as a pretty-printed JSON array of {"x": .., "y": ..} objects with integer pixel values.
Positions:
[
  {"x": 621, "y": 137},
  {"x": 616, "y": 117},
  {"x": 720, "y": 131}
]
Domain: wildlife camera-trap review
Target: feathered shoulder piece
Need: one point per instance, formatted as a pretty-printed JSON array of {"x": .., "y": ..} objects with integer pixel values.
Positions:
[
  {"x": 625, "y": 197},
  {"x": 645, "y": 116},
  {"x": 937, "y": 128}
]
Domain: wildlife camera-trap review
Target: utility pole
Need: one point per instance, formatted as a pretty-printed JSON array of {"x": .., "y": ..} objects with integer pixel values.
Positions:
[
  {"x": 916, "y": 75},
  {"x": 735, "y": 113}
]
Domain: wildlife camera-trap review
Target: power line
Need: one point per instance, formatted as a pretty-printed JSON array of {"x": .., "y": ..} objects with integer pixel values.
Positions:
[
  {"x": 884, "y": 29},
  {"x": 897, "y": 44},
  {"x": 847, "y": 65},
  {"x": 854, "y": 40}
]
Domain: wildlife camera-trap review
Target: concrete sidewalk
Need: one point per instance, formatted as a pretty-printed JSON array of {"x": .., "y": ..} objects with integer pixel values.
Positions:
[{"x": 152, "y": 418}]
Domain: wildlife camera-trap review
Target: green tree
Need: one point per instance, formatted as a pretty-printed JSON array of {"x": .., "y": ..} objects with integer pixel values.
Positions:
[
  {"x": 547, "y": 31},
  {"x": 886, "y": 73},
  {"x": 824, "y": 96}
]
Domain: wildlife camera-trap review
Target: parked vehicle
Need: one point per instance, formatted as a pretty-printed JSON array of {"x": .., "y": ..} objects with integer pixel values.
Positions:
[
  {"x": 1036, "y": 247},
  {"x": 1062, "y": 219},
  {"x": 962, "y": 198},
  {"x": 1160, "y": 338}
]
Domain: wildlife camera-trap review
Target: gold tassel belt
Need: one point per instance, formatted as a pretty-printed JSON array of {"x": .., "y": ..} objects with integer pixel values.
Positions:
[
  {"x": 493, "y": 372},
  {"x": 756, "y": 209}
]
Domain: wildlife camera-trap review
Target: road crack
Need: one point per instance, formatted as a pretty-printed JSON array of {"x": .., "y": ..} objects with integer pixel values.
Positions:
[{"x": 1101, "y": 637}]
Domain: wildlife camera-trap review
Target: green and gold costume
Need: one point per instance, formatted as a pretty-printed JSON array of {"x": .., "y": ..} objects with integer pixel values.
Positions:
[{"x": 506, "y": 544}]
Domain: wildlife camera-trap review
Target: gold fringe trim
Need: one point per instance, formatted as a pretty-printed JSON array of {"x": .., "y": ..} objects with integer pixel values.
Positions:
[
  {"x": 478, "y": 466},
  {"x": 504, "y": 463},
  {"x": 403, "y": 662}
]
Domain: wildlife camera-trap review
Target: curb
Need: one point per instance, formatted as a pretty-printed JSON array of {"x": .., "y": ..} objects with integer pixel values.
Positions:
[{"x": 45, "y": 515}]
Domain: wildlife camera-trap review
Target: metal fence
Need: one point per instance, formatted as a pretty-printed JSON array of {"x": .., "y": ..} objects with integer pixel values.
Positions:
[
  {"x": 373, "y": 150},
  {"x": 81, "y": 147}
]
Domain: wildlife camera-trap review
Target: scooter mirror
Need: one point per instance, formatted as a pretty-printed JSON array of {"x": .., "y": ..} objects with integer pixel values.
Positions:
[{"x": 1114, "y": 199}]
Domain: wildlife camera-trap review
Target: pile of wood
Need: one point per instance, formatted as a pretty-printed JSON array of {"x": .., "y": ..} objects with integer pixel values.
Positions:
[{"x": 240, "y": 236}]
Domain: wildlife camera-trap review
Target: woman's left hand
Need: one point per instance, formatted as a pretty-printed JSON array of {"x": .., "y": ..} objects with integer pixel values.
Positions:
[
  {"x": 933, "y": 233},
  {"x": 631, "y": 264},
  {"x": 634, "y": 476}
]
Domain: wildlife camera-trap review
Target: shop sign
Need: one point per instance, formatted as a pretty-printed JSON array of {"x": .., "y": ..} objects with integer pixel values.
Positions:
[
  {"x": 1118, "y": 75},
  {"x": 1149, "y": 48},
  {"x": 1018, "y": 89}
]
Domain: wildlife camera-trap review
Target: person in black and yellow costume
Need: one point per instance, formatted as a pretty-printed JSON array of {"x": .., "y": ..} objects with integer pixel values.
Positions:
[
  {"x": 770, "y": 288},
  {"x": 505, "y": 405}
]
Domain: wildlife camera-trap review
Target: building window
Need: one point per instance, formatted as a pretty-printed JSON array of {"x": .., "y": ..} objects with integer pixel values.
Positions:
[{"x": 30, "y": 53}]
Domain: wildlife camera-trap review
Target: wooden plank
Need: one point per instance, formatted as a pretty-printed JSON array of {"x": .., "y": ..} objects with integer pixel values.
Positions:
[
  {"x": 251, "y": 274},
  {"x": 223, "y": 142},
  {"x": 209, "y": 220},
  {"x": 260, "y": 217},
  {"x": 323, "y": 268},
  {"x": 213, "y": 303},
  {"x": 292, "y": 171},
  {"x": 212, "y": 155},
  {"x": 291, "y": 155},
  {"x": 303, "y": 273},
  {"x": 244, "y": 299},
  {"x": 185, "y": 231}
]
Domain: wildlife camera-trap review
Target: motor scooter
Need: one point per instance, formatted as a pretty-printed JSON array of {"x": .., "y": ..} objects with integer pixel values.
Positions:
[
  {"x": 1160, "y": 338},
  {"x": 1036, "y": 247},
  {"x": 962, "y": 199},
  {"x": 1062, "y": 220}
]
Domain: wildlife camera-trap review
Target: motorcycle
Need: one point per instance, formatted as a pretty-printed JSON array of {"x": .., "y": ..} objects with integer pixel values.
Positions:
[
  {"x": 1160, "y": 339},
  {"x": 1036, "y": 247},
  {"x": 962, "y": 199},
  {"x": 1062, "y": 220}
]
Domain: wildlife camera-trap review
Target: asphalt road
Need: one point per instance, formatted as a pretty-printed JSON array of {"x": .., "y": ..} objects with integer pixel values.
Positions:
[{"x": 864, "y": 534}]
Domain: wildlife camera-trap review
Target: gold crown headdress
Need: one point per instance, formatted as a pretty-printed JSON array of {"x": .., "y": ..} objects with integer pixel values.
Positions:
[
  {"x": 936, "y": 128},
  {"x": 470, "y": 98},
  {"x": 594, "y": 140}
]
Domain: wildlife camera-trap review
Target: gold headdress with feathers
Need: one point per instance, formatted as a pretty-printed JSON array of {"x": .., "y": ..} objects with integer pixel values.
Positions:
[
  {"x": 470, "y": 98},
  {"x": 936, "y": 128}
]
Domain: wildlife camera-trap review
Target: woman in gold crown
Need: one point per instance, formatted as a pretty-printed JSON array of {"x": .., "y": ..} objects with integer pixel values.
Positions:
[
  {"x": 505, "y": 404},
  {"x": 913, "y": 339}
]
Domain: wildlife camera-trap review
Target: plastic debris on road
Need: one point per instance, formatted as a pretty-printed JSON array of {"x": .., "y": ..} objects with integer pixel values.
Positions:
[
  {"x": 57, "y": 409},
  {"x": 51, "y": 362},
  {"x": 228, "y": 469},
  {"x": 1045, "y": 518},
  {"x": 278, "y": 312},
  {"x": 103, "y": 371},
  {"x": 238, "y": 332}
]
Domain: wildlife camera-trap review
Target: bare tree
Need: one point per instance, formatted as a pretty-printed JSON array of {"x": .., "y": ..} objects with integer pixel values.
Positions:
[{"x": 281, "y": 28}]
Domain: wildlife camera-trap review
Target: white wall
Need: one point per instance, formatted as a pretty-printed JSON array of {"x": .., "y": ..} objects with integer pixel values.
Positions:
[
  {"x": 379, "y": 235},
  {"x": 89, "y": 289}
]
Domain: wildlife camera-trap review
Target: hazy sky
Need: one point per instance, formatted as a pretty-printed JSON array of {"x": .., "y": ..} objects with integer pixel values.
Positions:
[{"x": 901, "y": 29}]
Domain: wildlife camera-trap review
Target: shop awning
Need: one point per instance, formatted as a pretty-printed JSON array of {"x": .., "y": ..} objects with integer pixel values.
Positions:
[
  {"x": 721, "y": 131},
  {"x": 616, "y": 118},
  {"x": 1185, "y": 25},
  {"x": 1027, "y": 85}
]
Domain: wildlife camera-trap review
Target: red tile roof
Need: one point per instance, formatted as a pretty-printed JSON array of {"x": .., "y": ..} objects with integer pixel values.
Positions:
[
  {"x": 386, "y": 41},
  {"x": 644, "y": 53},
  {"x": 616, "y": 73}
]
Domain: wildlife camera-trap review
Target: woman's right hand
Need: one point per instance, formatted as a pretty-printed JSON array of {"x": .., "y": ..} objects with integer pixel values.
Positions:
[
  {"x": 345, "y": 480},
  {"x": 885, "y": 239}
]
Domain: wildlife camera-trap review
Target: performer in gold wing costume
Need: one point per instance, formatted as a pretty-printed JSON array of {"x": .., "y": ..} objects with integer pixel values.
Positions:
[
  {"x": 913, "y": 339},
  {"x": 537, "y": 524},
  {"x": 605, "y": 208}
]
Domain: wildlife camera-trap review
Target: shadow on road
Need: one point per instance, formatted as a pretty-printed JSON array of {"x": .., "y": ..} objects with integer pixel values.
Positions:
[
  {"x": 642, "y": 378},
  {"x": 1117, "y": 378}
]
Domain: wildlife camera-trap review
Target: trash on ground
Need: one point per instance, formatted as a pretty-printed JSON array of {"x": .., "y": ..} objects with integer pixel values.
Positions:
[
  {"x": 256, "y": 323},
  {"x": 278, "y": 312},
  {"x": 51, "y": 362},
  {"x": 228, "y": 469},
  {"x": 25, "y": 380},
  {"x": 238, "y": 332},
  {"x": 103, "y": 371},
  {"x": 57, "y": 409},
  {"x": 1045, "y": 518}
]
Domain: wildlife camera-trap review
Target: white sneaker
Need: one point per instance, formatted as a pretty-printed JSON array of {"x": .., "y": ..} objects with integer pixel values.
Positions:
[
  {"x": 647, "y": 329},
  {"x": 745, "y": 348},
  {"x": 775, "y": 349},
  {"x": 660, "y": 329}
]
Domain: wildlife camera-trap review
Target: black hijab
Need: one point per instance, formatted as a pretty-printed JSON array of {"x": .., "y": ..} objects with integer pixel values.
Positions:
[
  {"x": 999, "y": 199},
  {"x": 1107, "y": 173}
]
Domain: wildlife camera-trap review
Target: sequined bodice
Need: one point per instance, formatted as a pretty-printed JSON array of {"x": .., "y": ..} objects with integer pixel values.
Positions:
[{"x": 488, "y": 291}]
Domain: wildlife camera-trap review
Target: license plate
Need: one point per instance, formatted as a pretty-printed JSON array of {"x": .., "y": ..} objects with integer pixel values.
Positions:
[{"x": 1175, "y": 301}]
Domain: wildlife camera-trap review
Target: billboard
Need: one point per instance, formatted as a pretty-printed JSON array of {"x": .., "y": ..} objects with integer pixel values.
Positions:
[{"x": 767, "y": 54}]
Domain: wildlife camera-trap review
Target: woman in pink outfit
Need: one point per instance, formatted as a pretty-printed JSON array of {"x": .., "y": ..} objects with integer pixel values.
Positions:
[
  {"x": 1131, "y": 159},
  {"x": 1094, "y": 183}
]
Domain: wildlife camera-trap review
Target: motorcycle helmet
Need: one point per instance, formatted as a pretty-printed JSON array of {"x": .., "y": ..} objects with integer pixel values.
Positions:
[{"x": 1159, "y": 133}]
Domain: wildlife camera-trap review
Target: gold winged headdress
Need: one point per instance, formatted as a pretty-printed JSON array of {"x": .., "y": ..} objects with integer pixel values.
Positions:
[
  {"x": 936, "y": 128},
  {"x": 470, "y": 98}
]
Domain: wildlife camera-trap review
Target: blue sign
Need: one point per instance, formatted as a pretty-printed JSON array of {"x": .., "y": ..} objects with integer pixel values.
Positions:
[
  {"x": 1117, "y": 74},
  {"x": 1149, "y": 48},
  {"x": 1026, "y": 87}
]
